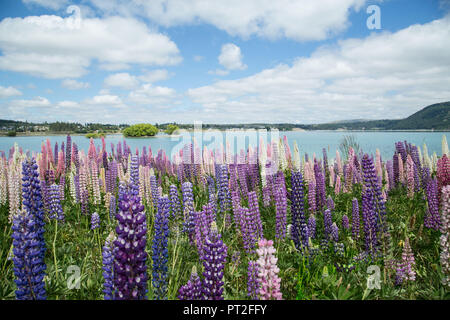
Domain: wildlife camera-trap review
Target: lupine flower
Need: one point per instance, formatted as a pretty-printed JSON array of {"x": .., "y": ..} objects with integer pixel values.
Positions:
[
  {"x": 432, "y": 219},
  {"x": 312, "y": 197},
  {"x": 334, "y": 232},
  {"x": 445, "y": 235},
  {"x": 108, "y": 264},
  {"x": 355, "y": 219},
  {"x": 193, "y": 289},
  {"x": 160, "y": 249},
  {"x": 311, "y": 227},
  {"x": 95, "y": 221},
  {"x": 405, "y": 269},
  {"x": 253, "y": 283},
  {"x": 299, "y": 229},
  {"x": 253, "y": 208},
  {"x": 410, "y": 176},
  {"x": 130, "y": 270},
  {"x": 28, "y": 238},
  {"x": 175, "y": 206},
  {"x": 224, "y": 195},
  {"x": 281, "y": 212},
  {"x": 345, "y": 222},
  {"x": 215, "y": 253},
  {"x": 327, "y": 223},
  {"x": 337, "y": 186},
  {"x": 55, "y": 208},
  {"x": 188, "y": 210},
  {"x": 268, "y": 271}
]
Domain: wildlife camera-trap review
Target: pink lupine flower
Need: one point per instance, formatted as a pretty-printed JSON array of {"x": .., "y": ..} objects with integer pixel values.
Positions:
[{"x": 268, "y": 271}]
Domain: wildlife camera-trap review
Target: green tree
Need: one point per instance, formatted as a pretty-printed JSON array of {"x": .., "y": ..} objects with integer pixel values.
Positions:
[
  {"x": 140, "y": 130},
  {"x": 171, "y": 128}
]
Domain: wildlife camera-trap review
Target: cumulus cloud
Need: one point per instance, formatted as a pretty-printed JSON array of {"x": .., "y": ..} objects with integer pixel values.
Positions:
[
  {"x": 295, "y": 19},
  {"x": 231, "y": 57},
  {"x": 106, "y": 99},
  {"x": 50, "y": 46},
  {"x": 383, "y": 75},
  {"x": 122, "y": 80},
  {"x": 6, "y": 92},
  {"x": 74, "y": 84},
  {"x": 152, "y": 95},
  {"x": 155, "y": 75},
  {"x": 36, "y": 102}
]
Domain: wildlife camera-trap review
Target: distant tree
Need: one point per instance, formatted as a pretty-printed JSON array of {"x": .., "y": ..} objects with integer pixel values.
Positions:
[
  {"x": 171, "y": 128},
  {"x": 140, "y": 130}
]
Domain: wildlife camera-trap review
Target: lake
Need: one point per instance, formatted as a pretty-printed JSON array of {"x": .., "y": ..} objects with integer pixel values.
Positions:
[{"x": 308, "y": 141}]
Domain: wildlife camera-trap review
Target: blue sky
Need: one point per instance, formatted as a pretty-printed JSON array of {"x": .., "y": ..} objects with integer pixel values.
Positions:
[{"x": 116, "y": 61}]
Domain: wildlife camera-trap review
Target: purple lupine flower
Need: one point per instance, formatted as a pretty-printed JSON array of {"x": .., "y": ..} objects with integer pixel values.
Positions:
[
  {"x": 215, "y": 254},
  {"x": 299, "y": 232},
  {"x": 224, "y": 195},
  {"x": 160, "y": 249},
  {"x": 201, "y": 230},
  {"x": 112, "y": 207},
  {"x": 188, "y": 209},
  {"x": 281, "y": 212},
  {"x": 432, "y": 218},
  {"x": 55, "y": 208},
  {"x": 95, "y": 221},
  {"x": 369, "y": 212},
  {"x": 253, "y": 283},
  {"x": 266, "y": 195},
  {"x": 154, "y": 189},
  {"x": 312, "y": 197},
  {"x": 312, "y": 227},
  {"x": 175, "y": 206},
  {"x": 134, "y": 176},
  {"x": 334, "y": 232},
  {"x": 320, "y": 187},
  {"x": 355, "y": 219},
  {"x": 330, "y": 203},
  {"x": 248, "y": 229},
  {"x": 28, "y": 238},
  {"x": 327, "y": 223},
  {"x": 193, "y": 289},
  {"x": 61, "y": 186},
  {"x": 68, "y": 152},
  {"x": 253, "y": 208},
  {"x": 130, "y": 270},
  {"x": 345, "y": 222},
  {"x": 108, "y": 265}
]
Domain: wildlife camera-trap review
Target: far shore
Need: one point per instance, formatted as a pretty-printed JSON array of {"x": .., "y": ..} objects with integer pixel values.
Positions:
[{"x": 43, "y": 134}]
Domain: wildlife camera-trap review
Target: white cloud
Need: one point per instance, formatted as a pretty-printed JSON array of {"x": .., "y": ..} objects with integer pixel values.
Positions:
[
  {"x": 50, "y": 4},
  {"x": 149, "y": 94},
  {"x": 231, "y": 57},
  {"x": 295, "y": 19},
  {"x": 6, "y": 92},
  {"x": 54, "y": 47},
  {"x": 33, "y": 103},
  {"x": 155, "y": 75},
  {"x": 107, "y": 99},
  {"x": 74, "y": 84},
  {"x": 386, "y": 75},
  {"x": 122, "y": 80}
]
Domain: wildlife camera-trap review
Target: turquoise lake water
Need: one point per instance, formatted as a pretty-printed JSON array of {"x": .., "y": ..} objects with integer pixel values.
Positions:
[{"x": 308, "y": 141}]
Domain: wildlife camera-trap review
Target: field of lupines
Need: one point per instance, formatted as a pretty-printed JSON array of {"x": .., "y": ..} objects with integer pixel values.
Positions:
[{"x": 207, "y": 224}]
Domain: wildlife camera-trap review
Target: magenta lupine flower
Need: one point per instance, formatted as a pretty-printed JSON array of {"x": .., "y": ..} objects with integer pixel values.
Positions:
[
  {"x": 443, "y": 174},
  {"x": 214, "y": 258},
  {"x": 337, "y": 186},
  {"x": 445, "y": 235},
  {"x": 253, "y": 283},
  {"x": 268, "y": 271}
]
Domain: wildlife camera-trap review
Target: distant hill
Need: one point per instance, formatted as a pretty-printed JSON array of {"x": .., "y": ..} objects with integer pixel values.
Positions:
[{"x": 435, "y": 116}]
